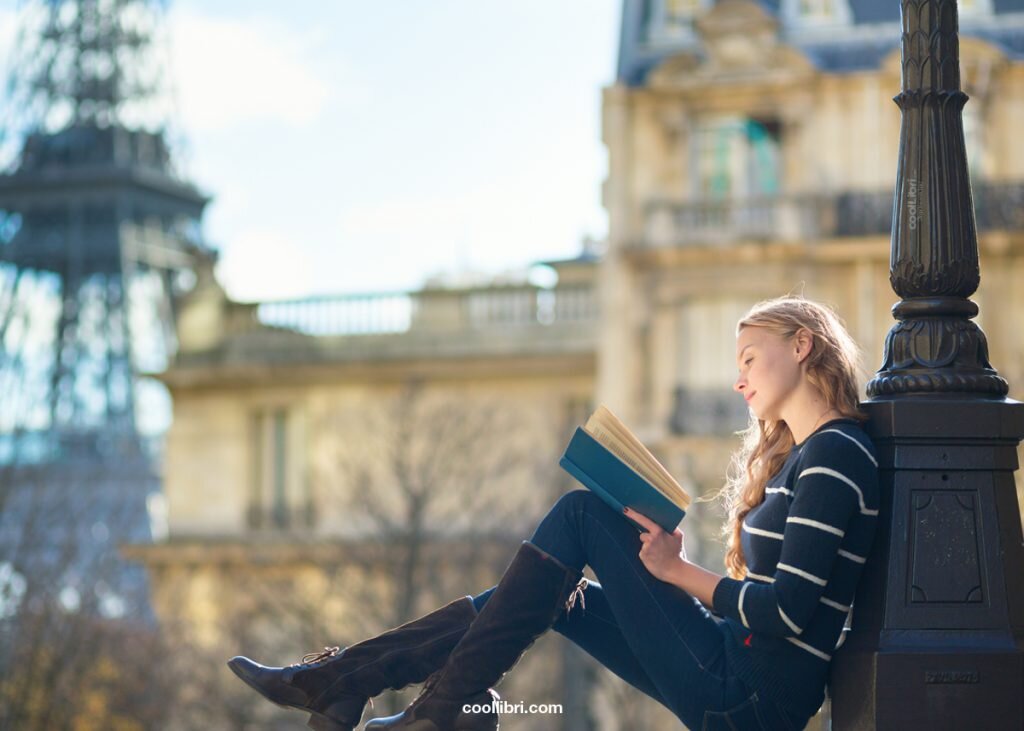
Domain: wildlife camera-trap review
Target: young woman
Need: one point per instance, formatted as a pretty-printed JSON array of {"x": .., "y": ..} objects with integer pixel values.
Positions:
[{"x": 803, "y": 501}]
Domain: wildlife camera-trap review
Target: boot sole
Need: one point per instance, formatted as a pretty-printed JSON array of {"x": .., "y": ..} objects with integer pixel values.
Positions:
[
  {"x": 466, "y": 725},
  {"x": 317, "y": 721}
]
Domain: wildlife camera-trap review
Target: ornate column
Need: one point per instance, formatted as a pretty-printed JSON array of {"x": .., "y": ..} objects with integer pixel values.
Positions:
[
  {"x": 938, "y": 625},
  {"x": 934, "y": 347}
]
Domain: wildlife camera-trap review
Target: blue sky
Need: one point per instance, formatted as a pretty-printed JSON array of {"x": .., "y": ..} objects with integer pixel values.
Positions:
[{"x": 355, "y": 146}]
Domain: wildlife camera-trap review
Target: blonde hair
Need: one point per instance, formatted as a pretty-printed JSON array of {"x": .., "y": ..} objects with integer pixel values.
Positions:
[{"x": 832, "y": 369}]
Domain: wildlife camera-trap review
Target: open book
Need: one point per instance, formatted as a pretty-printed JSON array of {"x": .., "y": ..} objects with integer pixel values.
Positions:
[{"x": 606, "y": 457}]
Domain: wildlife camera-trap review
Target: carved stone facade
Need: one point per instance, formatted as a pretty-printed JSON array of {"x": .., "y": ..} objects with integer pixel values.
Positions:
[{"x": 743, "y": 166}]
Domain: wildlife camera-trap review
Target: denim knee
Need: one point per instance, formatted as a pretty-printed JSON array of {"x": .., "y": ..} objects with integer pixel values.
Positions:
[
  {"x": 569, "y": 508},
  {"x": 559, "y": 533},
  {"x": 581, "y": 500}
]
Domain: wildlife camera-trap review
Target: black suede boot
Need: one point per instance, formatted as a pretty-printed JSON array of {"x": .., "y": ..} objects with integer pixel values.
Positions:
[
  {"x": 527, "y": 601},
  {"x": 335, "y": 685}
]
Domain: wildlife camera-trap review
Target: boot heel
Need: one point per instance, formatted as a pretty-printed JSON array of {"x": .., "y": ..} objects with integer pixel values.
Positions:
[
  {"x": 318, "y": 722},
  {"x": 477, "y": 722},
  {"x": 484, "y": 720},
  {"x": 345, "y": 713}
]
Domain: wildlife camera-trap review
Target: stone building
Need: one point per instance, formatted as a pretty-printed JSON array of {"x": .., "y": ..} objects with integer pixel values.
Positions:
[
  {"x": 340, "y": 465},
  {"x": 752, "y": 151}
]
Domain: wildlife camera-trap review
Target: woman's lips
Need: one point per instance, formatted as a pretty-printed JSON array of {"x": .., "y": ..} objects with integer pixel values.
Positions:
[{"x": 750, "y": 396}]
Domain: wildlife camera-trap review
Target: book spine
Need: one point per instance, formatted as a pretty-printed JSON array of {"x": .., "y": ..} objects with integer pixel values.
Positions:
[{"x": 570, "y": 467}]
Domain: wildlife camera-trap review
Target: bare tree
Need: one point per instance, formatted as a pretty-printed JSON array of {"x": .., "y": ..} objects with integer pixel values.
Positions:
[
  {"x": 441, "y": 485},
  {"x": 76, "y": 634},
  {"x": 419, "y": 498},
  {"x": 431, "y": 479}
]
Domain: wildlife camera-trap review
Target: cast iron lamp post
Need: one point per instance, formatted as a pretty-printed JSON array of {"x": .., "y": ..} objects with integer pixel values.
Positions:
[{"x": 938, "y": 626}]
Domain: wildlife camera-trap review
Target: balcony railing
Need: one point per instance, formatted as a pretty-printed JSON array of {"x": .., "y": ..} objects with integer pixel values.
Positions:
[
  {"x": 427, "y": 311},
  {"x": 809, "y": 217},
  {"x": 725, "y": 221},
  {"x": 363, "y": 314}
]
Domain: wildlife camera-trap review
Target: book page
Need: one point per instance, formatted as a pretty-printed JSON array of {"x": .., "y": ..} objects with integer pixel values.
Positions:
[
  {"x": 607, "y": 429},
  {"x": 639, "y": 452}
]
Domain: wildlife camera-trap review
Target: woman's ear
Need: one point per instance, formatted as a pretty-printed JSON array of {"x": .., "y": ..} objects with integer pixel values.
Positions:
[{"x": 803, "y": 344}]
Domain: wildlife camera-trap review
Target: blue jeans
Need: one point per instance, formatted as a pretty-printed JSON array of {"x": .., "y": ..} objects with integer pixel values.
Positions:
[{"x": 653, "y": 635}]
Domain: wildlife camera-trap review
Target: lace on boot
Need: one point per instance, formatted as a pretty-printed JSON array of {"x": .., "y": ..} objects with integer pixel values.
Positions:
[
  {"x": 577, "y": 593},
  {"x": 316, "y": 657}
]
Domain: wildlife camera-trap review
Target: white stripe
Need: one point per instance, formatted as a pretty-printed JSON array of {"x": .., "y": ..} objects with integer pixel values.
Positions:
[
  {"x": 743, "y": 616},
  {"x": 812, "y": 650},
  {"x": 783, "y": 490},
  {"x": 839, "y": 476},
  {"x": 802, "y": 574},
  {"x": 835, "y": 605},
  {"x": 752, "y": 575},
  {"x": 789, "y": 621},
  {"x": 852, "y": 556},
  {"x": 862, "y": 447},
  {"x": 761, "y": 532},
  {"x": 842, "y": 639},
  {"x": 815, "y": 524}
]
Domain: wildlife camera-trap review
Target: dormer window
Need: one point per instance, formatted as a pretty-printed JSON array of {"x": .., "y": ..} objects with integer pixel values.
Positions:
[
  {"x": 672, "y": 20},
  {"x": 970, "y": 9},
  {"x": 681, "y": 11},
  {"x": 818, "y": 10},
  {"x": 812, "y": 13}
]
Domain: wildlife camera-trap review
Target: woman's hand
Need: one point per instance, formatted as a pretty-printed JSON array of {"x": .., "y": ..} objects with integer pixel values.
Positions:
[{"x": 661, "y": 553}]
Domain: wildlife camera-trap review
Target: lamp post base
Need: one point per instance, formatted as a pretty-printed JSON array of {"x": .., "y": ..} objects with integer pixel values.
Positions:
[
  {"x": 930, "y": 688},
  {"x": 938, "y": 632}
]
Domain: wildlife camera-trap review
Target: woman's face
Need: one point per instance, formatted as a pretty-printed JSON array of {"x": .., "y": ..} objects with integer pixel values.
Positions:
[{"x": 769, "y": 371}]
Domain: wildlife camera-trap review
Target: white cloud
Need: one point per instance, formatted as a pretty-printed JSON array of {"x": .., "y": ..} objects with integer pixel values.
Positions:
[
  {"x": 231, "y": 72},
  {"x": 489, "y": 228},
  {"x": 8, "y": 27},
  {"x": 263, "y": 264}
]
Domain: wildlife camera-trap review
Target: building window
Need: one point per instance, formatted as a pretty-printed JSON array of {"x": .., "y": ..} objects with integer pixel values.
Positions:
[
  {"x": 973, "y": 140},
  {"x": 969, "y": 9},
  {"x": 736, "y": 157},
  {"x": 817, "y": 9},
  {"x": 277, "y": 498},
  {"x": 677, "y": 11},
  {"x": 707, "y": 342},
  {"x": 672, "y": 20},
  {"x": 812, "y": 13},
  {"x": 704, "y": 400}
]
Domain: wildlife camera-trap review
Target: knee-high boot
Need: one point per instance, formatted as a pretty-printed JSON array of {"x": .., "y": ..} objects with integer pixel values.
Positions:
[
  {"x": 335, "y": 685},
  {"x": 529, "y": 598}
]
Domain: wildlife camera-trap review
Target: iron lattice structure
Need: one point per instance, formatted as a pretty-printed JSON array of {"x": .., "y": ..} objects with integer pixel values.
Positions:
[{"x": 97, "y": 233}]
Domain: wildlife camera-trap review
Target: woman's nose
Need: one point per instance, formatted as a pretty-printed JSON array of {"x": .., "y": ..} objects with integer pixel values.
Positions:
[{"x": 739, "y": 385}]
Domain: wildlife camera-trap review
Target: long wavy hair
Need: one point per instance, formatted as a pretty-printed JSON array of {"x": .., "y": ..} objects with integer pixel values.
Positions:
[{"x": 831, "y": 368}]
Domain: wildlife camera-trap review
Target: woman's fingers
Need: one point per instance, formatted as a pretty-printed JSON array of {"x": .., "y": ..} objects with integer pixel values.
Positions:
[{"x": 643, "y": 520}]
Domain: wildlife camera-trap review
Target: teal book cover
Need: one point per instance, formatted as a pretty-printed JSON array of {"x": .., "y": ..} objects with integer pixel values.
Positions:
[{"x": 596, "y": 468}]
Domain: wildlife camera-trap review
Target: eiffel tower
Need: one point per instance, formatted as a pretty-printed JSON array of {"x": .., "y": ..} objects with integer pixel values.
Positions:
[{"x": 98, "y": 235}]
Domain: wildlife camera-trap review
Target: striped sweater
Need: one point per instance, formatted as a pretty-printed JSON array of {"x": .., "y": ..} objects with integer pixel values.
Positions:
[{"x": 805, "y": 547}]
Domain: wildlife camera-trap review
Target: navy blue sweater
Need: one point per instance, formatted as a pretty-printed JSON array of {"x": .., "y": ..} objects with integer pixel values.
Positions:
[{"x": 805, "y": 547}]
